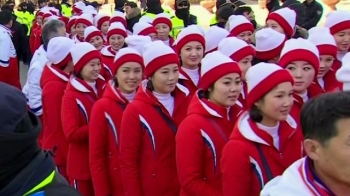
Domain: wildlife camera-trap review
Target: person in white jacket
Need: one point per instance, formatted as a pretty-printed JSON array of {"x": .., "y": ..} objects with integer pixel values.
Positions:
[{"x": 325, "y": 171}]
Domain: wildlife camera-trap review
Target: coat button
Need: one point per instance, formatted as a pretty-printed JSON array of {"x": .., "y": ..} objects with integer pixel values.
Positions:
[{"x": 154, "y": 175}]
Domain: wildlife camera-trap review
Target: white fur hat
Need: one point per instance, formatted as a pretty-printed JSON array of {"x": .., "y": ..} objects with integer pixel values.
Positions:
[
  {"x": 188, "y": 34},
  {"x": 337, "y": 21},
  {"x": 146, "y": 19},
  {"x": 91, "y": 32},
  {"x": 239, "y": 24},
  {"x": 125, "y": 55},
  {"x": 118, "y": 17},
  {"x": 235, "y": 48},
  {"x": 213, "y": 37},
  {"x": 323, "y": 40},
  {"x": 58, "y": 51},
  {"x": 162, "y": 18},
  {"x": 268, "y": 43},
  {"x": 142, "y": 28},
  {"x": 286, "y": 18},
  {"x": 137, "y": 42},
  {"x": 82, "y": 53},
  {"x": 86, "y": 19},
  {"x": 99, "y": 19},
  {"x": 116, "y": 28}
]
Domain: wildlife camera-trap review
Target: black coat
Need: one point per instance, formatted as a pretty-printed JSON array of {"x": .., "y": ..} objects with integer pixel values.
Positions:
[
  {"x": 133, "y": 18},
  {"x": 20, "y": 41},
  {"x": 314, "y": 11},
  {"x": 299, "y": 9}
]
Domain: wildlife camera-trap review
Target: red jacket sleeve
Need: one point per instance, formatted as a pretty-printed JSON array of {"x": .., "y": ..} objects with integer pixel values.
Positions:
[
  {"x": 37, "y": 42},
  {"x": 236, "y": 170},
  {"x": 130, "y": 145},
  {"x": 189, "y": 161},
  {"x": 98, "y": 144},
  {"x": 32, "y": 40},
  {"x": 70, "y": 121}
]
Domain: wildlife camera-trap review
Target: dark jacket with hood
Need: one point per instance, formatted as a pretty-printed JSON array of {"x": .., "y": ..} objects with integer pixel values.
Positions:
[
  {"x": 184, "y": 14},
  {"x": 133, "y": 18},
  {"x": 299, "y": 9}
]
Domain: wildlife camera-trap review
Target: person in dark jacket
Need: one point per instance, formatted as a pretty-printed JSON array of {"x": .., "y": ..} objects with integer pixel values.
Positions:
[
  {"x": 313, "y": 12},
  {"x": 133, "y": 14},
  {"x": 247, "y": 12},
  {"x": 25, "y": 169},
  {"x": 223, "y": 13},
  {"x": 30, "y": 7},
  {"x": 298, "y": 7},
  {"x": 182, "y": 11},
  {"x": 272, "y": 5},
  {"x": 119, "y": 5},
  {"x": 153, "y": 7}
]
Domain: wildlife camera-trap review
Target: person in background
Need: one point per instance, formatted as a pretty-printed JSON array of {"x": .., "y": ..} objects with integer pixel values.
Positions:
[
  {"x": 66, "y": 8},
  {"x": 119, "y": 5},
  {"x": 133, "y": 14},
  {"x": 81, "y": 23},
  {"x": 145, "y": 29},
  {"x": 313, "y": 13},
  {"x": 282, "y": 20},
  {"x": 94, "y": 36},
  {"x": 101, "y": 21},
  {"x": 183, "y": 18},
  {"x": 297, "y": 7},
  {"x": 240, "y": 27},
  {"x": 154, "y": 7},
  {"x": 233, "y": 4},
  {"x": 42, "y": 3},
  {"x": 272, "y": 5},
  {"x": 223, "y": 14},
  {"x": 31, "y": 7},
  {"x": 70, "y": 27},
  {"x": 325, "y": 169},
  {"x": 247, "y": 12},
  {"x": 163, "y": 25}
]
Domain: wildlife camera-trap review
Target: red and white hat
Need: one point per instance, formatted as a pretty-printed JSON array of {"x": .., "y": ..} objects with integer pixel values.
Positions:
[
  {"x": 146, "y": 19},
  {"x": 91, "y": 32},
  {"x": 214, "y": 66},
  {"x": 268, "y": 43},
  {"x": 323, "y": 40},
  {"x": 85, "y": 19},
  {"x": 42, "y": 11},
  {"x": 162, "y": 18},
  {"x": 157, "y": 55},
  {"x": 54, "y": 11},
  {"x": 338, "y": 20},
  {"x": 188, "y": 34},
  {"x": 286, "y": 18},
  {"x": 82, "y": 53},
  {"x": 239, "y": 24},
  {"x": 235, "y": 48},
  {"x": 90, "y": 10},
  {"x": 118, "y": 17},
  {"x": 137, "y": 42},
  {"x": 126, "y": 55},
  {"x": 213, "y": 36},
  {"x": 58, "y": 51},
  {"x": 78, "y": 7},
  {"x": 343, "y": 73},
  {"x": 116, "y": 28},
  {"x": 47, "y": 15},
  {"x": 142, "y": 28},
  {"x": 262, "y": 78},
  {"x": 70, "y": 23},
  {"x": 99, "y": 19},
  {"x": 299, "y": 50}
]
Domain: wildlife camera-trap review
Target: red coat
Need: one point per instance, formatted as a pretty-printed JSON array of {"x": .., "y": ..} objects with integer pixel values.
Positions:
[
  {"x": 199, "y": 142},
  {"x": 147, "y": 144},
  {"x": 242, "y": 167},
  {"x": 77, "y": 103},
  {"x": 330, "y": 82},
  {"x": 242, "y": 96},
  {"x": 336, "y": 65},
  {"x": 186, "y": 81},
  {"x": 108, "y": 61},
  {"x": 32, "y": 39},
  {"x": 104, "y": 130},
  {"x": 53, "y": 84},
  {"x": 37, "y": 42}
]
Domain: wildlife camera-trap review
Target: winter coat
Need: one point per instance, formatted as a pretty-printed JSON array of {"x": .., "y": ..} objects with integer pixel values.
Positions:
[
  {"x": 133, "y": 18},
  {"x": 185, "y": 80},
  {"x": 242, "y": 96},
  {"x": 108, "y": 60},
  {"x": 330, "y": 82},
  {"x": 199, "y": 142}
]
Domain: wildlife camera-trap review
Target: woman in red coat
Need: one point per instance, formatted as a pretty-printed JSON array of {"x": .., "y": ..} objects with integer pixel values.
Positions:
[
  {"x": 53, "y": 83},
  {"x": 204, "y": 132},
  {"x": 83, "y": 90},
  {"x": 94, "y": 36},
  {"x": 81, "y": 23},
  {"x": 149, "y": 126},
  {"x": 265, "y": 140},
  {"x": 242, "y": 53},
  {"x": 301, "y": 58},
  {"x": 101, "y": 21},
  {"x": 163, "y": 25},
  {"x": 105, "y": 122},
  {"x": 190, "y": 46},
  {"x": 240, "y": 27}
]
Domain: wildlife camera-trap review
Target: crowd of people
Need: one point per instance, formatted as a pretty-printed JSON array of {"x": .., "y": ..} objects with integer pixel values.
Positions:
[{"x": 152, "y": 104}]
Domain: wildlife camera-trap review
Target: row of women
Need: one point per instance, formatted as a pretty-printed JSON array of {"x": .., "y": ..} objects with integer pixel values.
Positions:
[{"x": 132, "y": 115}]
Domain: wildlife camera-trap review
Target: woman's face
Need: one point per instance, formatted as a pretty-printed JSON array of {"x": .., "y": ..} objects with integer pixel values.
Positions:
[
  {"x": 91, "y": 70},
  {"x": 326, "y": 62},
  {"x": 303, "y": 74},
  {"x": 245, "y": 64},
  {"x": 79, "y": 29},
  {"x": 129, "y": 76},
  {"x": 97, "y": 42},
  {"x": 72, "y": 30},
  {"x": 104, "y": 27},
  {"x": 342, "y": 39},
  {"x": 226, "y": 90},
  {"x": 116, "y": 42},
  {"x": 246, "y": 36},
  {"x": 277, "y": 103},
  {"x": 163, "y": 31},
  {"x": 275, "y": 26},
  {"x": 39, "y": 20},
  {"x": 164, "y": 80},
  {"x": 192, "y": 54},
  {"x": 153, "y": 36}
]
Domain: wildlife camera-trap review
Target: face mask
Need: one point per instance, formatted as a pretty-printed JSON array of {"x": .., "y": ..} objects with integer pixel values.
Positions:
[{"x": 182, "y": 13}]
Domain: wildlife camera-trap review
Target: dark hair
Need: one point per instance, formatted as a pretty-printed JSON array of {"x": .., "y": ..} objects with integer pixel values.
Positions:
[
  {"x": 319, "y": 116},
  {"x": 115, "y": 80},
  {"x": 242, "y": 9},
  {"x": 150, "y": 86},
  {"x": 58, "y": 7},
  {"x": 78, "y": 75},
  {"x": 6, "y": 7},
  {"x": 255, "y": 114},
  {"x": 5, "y": 17},
  {"x": 205, "y": 94}
]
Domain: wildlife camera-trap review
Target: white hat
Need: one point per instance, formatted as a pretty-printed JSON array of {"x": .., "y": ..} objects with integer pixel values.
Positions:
[
  {"x": 162, "y": 18},
  {"x": 71, "y": 22},
  {"x": 54, "y": 17},
  {"x": 58, "y": 51},
  {"x": 235, "y": 48},
  {"x": 78, "y": 7},
  {"x": 116, "y": 28},
  {"x": 337, "y": 20},
  {"x": 343, "y": 72},
  {"x": 142, "y": 28},
  {"x": 157, "y": 55},
  {"x": 268, "y": 43},
  {"x": 239, "y": 24},
  {"x": 262, "y": 78},
  {"x": 54, "y": 11},
  {"x": 90, "y": 10},
  {"x": 286, "y": 18},
  {"x": 146, "y": 19},
  {"x": 86, "y": 19},
  {"x": 82, "y": 53},
  {"x": 213, "y": 37},
  {"x": 188, "y": 34},
  {"x": 324, "y": 41},
  {"x": 125, "y": 55},
  {"x": 214, "y": 66},
  {"x": 99, "y": 19},
  {"x": 299, "y": 50},
  {"x": 91, "y": 32},
  {"x": 137, "y": 42},
  {"x": 118, "y": 17}
]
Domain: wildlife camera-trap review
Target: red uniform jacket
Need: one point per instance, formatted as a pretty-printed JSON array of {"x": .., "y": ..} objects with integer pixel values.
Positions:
[
  {"x": 37, "y": 42},
  {"x": 77, "y": 103},
  {"x": 242, "y": 96},
  {"x": 147, "y": 144},
  {"x": 53, "y": 84},
  {"x": 243, "y": 171},
  {"x": 32, "y": 39},
  {"x": 104, "y": 130},
  {"x": 108, "y": 61},
  {"x": 330, "y": 82},
  {"x": 336, "y": 65},
  {"x": 199, "y": 142},
  {"x": 186, "y": 81}
]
